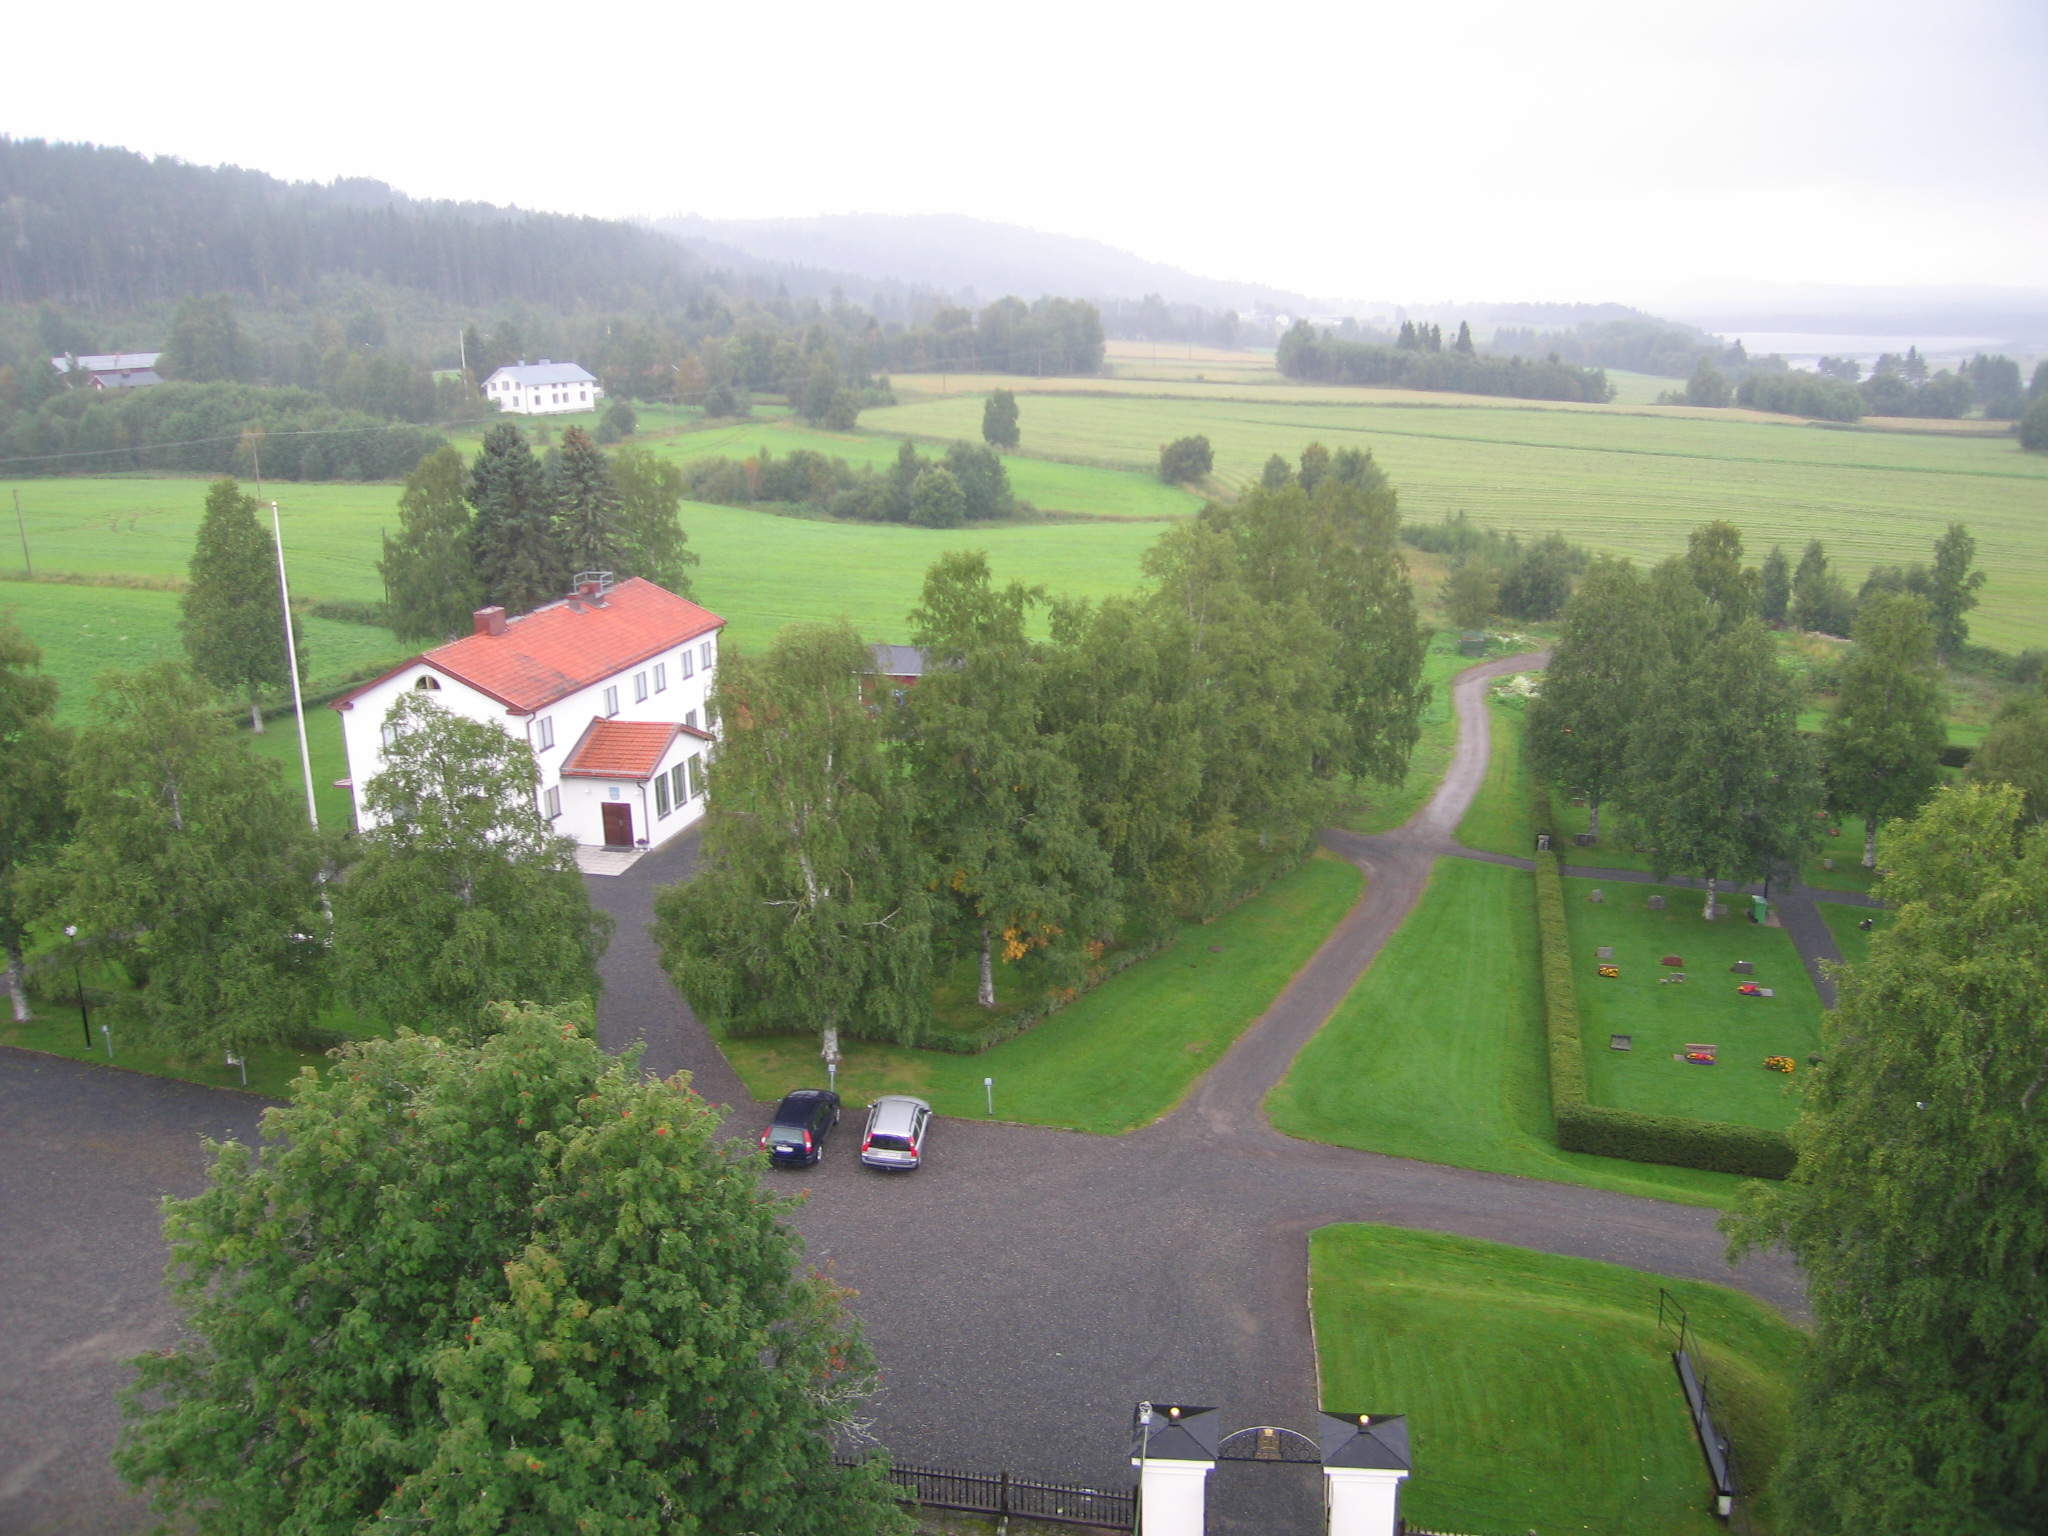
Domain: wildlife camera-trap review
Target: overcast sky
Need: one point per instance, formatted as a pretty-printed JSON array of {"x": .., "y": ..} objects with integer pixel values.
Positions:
[{"x": 1455, "y": 149}]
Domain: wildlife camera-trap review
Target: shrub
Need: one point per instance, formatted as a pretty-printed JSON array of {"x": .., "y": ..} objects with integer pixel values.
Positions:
[
  {"x": 1185, "y": 460},
  {"x": 1801, "y": 394}
]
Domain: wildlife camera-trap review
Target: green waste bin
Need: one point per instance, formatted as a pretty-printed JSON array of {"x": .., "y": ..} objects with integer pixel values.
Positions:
[{"x": 1759, "y": 909}]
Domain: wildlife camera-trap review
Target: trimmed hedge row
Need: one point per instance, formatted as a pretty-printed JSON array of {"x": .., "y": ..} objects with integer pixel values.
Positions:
[{"x": 1583, "y": 1126}]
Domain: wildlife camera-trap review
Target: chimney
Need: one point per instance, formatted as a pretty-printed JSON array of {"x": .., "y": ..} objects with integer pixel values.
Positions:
[{"x": 490, "y": 621}]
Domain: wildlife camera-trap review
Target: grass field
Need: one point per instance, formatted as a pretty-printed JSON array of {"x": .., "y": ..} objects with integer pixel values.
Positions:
[
  {"x": 1704, "y": 1009},
  {"x": 1632, "y": 482},
  {"x": 1845, "y": 851},
  {"x": 1498, "y": 820},
  {"x": 1539, "y": 1390},
  {"x": 1121, "y": 1056},
  {"x": 1438, "y": 1053}
]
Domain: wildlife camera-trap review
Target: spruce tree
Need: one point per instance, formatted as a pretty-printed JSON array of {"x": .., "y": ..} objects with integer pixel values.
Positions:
[
  {"x": 233, "y": 617},
  {"x": 588, "y": 521},
  {"x": 429, "y": 570},
  {"x": 1774, "y": 587},
  {"x": 1915, "y": 1210},
  {"x": 1884, "y": 734},
  {"x": 518, "y": 562}
]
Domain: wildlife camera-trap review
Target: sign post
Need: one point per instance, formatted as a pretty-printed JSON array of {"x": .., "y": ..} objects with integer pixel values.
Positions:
[
  {"x": 989, "y": 1084},
  {"x": 831, "y": 1055}
]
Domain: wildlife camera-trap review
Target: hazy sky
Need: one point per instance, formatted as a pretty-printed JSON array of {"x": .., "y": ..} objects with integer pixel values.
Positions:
[{"x": 1451, "y": 149}]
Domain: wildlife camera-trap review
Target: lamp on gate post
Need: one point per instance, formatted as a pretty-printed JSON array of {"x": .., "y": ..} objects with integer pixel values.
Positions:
[{"x": 78, "y": 979}]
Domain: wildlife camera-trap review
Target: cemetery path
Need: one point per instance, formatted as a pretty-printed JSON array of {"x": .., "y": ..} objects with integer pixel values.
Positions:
[{"x": 1021, "y": 1291}]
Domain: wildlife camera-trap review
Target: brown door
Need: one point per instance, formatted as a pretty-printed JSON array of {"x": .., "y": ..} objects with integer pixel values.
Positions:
[{"x": 618, "y": 825}]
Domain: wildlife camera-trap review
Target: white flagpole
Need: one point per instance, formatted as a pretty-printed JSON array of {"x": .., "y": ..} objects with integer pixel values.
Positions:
[{"x": 291, "y": 651}]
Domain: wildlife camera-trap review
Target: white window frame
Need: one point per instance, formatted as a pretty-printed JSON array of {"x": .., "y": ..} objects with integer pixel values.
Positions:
[
  {"x": 661, "y": 677},
  {"x": 551, "y": 801},
  {"x": 661, "y": 801},
  {"x": 690, "y": 718},
  {"x": 707, "y": 655},
  {"x": 689, "y": 666},
  {"x": 544, "y": 733},
  {"x": 611, "y": 701},
  {"x": 639, "y": 687}
]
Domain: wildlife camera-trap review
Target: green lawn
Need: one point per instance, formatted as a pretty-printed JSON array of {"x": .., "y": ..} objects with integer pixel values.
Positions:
[
  {"x": 84, "y": 631},
  {"x": 1620, "y": 479},
  {"x": 1704, "y": 1009},
  {"x": 1385, "y": 807},
  {"x": 1539, "y": 1390},
  {"x": 1845, "y": 852},
  {"x": 1439, "y": 1052},
  {"x": 1498, "y": 820},
  {"x": 1615, "y": 850},
  {"x": 1846, "y": 924},
  {"x": 280, "y": 742},
  {"x": 1121, "y": 1056}
]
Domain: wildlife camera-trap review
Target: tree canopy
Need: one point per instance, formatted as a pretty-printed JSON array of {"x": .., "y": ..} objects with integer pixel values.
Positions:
[
  {"x": 999, "y": 423},
  {"x": 1917, "y": 1205},
  {"x": 34, "y": 816},
  {"x": 232, "y": 611},
  {"x": 519, "y": 561},
  {"x": 1884, "y": 734},
  {"x": 430, "y": 581},
  {"x": 507, "y": 1286}
]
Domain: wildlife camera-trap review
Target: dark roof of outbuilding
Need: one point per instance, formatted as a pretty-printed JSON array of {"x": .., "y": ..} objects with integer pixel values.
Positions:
[{"x": 898, "y": 660}]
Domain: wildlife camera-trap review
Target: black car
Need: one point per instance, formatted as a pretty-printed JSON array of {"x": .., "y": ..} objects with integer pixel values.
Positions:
[{"x": 795, "y": 1138}]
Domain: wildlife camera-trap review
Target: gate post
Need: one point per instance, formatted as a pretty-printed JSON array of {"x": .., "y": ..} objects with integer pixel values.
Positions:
[
  {"x": 1365, "y": 1457},
  {"x": 1173, "y": 1446}
]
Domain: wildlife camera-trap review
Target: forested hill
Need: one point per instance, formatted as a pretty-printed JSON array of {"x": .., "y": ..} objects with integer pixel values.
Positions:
[{"x": 107, "y": 230}]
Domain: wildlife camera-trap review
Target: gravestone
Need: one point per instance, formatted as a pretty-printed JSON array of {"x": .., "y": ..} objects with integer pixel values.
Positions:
[
  {"x": 1597, "y": 898},
  {"x": 1743, "y": 968},
  {"x": 1604, "y": 952},
  {"x": 1720, "y": 909},
  {"x": 1543, "y": 842},
  {"x": 1621, "y": 1042},
  {"x": 1827, "y": 863},
  {"x": 1656, "y": 903},
  {"x": 1765, "y": 992},
  {"x": 1585, "y": 840}
]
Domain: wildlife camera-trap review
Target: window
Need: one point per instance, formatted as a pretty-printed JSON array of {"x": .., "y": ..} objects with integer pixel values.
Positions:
[
  {"x": 678, "y": 786},
  {"x": 706, "y": 651},
  {"x": 551, "y": 801},
  {"x": 661, "y": 796},
  {"x": 391, "y": 735},
  {"x": 696, "y": 776},
  {"x": 690, "y": 718},
  {"x": 428, "y": 683},
  {"x": 611, "y": 700},
  {"x": 661, "y": 677},
  {"x": 689, "y": 666},
  {"x": 639, "y": 687},
  {"x": 544, "y": 733}
]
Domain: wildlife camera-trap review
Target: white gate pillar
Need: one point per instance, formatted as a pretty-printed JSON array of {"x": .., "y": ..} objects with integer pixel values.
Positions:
[
  {"x": 1173, "y": 1446},
  {"x": 1364, "y": 1459}
]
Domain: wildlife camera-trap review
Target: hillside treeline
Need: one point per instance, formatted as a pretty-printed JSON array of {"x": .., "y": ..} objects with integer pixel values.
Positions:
[
  {"x": 1032, "y": 805},
  {"x": 1319, "y": 357},
  {"x": 208, "y": 429},
  {"x": 969, "y": 484}
]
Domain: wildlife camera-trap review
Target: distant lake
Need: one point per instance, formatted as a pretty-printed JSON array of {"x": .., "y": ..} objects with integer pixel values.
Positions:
[{"x": 1798, "y": 344}]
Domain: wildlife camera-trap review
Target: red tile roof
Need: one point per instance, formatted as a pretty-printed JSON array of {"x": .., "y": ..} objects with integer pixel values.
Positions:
[
  {"x": 624, "y": 749},
  {"x": 553, "y": 651}
]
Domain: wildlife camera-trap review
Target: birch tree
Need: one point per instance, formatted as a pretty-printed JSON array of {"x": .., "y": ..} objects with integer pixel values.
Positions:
[
  {"x": 811, "y": 907},
  {"x": 1595, "y": 689},
  {"x": 1884, "y": 734},
  {"x": 34, "y": 818}
]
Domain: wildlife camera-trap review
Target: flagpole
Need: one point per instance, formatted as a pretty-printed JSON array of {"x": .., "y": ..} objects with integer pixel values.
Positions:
[{"x": 291, "y": 651}]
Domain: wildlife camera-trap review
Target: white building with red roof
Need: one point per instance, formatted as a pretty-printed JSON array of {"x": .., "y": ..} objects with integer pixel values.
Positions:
[{"x": 608, "y": 687}]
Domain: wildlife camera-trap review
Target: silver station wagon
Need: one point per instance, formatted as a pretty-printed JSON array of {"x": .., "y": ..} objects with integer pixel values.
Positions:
[{"x": 896, "y": 1132}]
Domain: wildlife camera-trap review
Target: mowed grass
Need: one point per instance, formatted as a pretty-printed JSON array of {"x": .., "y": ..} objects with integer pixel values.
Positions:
[
  {"x": 1705, "y": 1009},
  {"x": 85, "y": 631},
  {"x": 1120, "y": 1056},
  {"x": 1438, "y": 1053},
  {"x": 1846, "y": 924},
  {"x": 1629, "y": 481},
  {"x": 1539, "y": 1390},
  {"x": 1844, "y": 850},
  {"x": 280, "y": 743},
  {"x": 1498, "y": 820}
]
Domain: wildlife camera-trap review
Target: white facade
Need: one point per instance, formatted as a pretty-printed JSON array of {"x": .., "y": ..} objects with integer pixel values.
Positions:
[
  {"x": 542, "y": 389},
  {"x": 667, "y": 688}
]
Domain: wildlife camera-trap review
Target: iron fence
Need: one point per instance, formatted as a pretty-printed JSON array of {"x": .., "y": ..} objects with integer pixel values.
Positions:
[{"x": 1005, "y": 1493}]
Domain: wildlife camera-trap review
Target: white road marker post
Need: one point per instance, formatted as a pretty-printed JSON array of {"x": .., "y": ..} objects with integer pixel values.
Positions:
[{"x": 989, "y": 1084}]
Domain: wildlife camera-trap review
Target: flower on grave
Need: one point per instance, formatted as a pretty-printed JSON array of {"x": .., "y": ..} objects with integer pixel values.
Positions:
[{"x": 1780, "y": 1063}]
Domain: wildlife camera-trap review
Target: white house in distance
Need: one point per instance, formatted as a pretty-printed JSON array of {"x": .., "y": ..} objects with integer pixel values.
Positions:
[
  {"x": 542, "y": 388},
  {"x": 608, "y": 688}
]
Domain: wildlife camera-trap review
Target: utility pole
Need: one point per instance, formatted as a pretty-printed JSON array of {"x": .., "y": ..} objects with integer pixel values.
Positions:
[
  {"x": 291, "y": 651},
  {"x": 24, "y": 537}
]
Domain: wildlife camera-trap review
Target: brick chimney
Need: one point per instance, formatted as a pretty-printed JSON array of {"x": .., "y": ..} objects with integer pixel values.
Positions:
[{"x": 490, "y": 621}]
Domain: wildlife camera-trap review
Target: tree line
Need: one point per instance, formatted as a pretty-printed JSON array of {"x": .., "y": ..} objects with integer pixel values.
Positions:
[
  {"x": 1033, "y": 803},
  {"x": 967, "y": 484},
  {"x": 1319, "y": 356},
  {"x": 1665, "y": 698},
  {"x": 513, "y": 528}
]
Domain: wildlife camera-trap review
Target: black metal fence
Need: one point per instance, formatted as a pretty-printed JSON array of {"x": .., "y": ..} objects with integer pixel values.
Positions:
[
  {"x": 1699, "y": 1401},
  {"x": 1005, "y": 1493}
]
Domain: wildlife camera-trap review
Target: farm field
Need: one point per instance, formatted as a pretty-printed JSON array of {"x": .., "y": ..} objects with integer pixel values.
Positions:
[
  {"x": 1626, "y": 482},
  {"x": 1446, "y": 1063},
  {"x": 1539, "y": 1390},
  {"x": 1664, "y": 1019},
  {"x": 1120, "y": 1056}
]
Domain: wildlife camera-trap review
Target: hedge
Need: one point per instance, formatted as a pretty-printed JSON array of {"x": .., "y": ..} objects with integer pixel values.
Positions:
[{"x": 1583, "y": 1126}]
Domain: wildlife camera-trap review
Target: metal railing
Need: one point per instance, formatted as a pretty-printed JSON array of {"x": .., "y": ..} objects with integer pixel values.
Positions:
[{"x": 1005, "y": 1493}]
